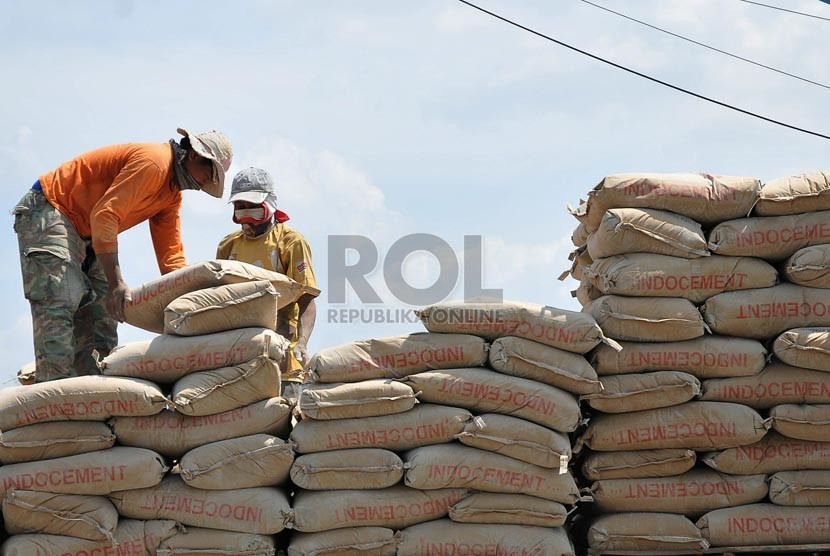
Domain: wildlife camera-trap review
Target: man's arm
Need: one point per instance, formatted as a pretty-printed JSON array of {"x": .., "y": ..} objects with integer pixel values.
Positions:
[
  {"x": 305, "y": 325},
  {"x": 118, "y": 294}
]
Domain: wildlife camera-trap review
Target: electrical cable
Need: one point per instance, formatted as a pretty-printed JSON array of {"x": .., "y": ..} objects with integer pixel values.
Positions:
[{"x": 779, "y": 8}]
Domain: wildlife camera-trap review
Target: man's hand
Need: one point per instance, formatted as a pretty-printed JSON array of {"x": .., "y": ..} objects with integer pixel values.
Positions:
[
  {"x": 117, "y": 298},
  {"x": 300, "y": 353}
]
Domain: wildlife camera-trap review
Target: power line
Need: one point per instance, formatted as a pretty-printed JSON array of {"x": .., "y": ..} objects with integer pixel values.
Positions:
[
  {"x": 644, "y": 76},
  {"x": 782, "y": 72},
  {"x": 779, "y": 8}
]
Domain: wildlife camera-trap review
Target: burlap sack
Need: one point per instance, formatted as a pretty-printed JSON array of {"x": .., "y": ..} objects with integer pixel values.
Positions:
[
  {"x": 355, "y": 541},
  {"x": 692, "y": 494},
  {"x": 82, "y": 398},
  {"x": 632, "y": 230},
  {"x": 579, "y": 237},
  {"x": 767, "y": 312},
  {"x": 54, "y": 440},
  {"x": 580, "y": 260},
  {"x": 518, "y": 439},
  {"x": 422, "y": 425},
  {"x": 168, "y": 358},
  {"x": 250, "y": 461},
  {"x": 809, "y": 267},
  {"x": 692, "y": 425},
  {"x": 363, "y": 468},
  {"x": 705, "y": 357},
  {"x": 644, "y": 320},
  {"x": 394, "y": 507},
  {"x": 223, "y": 308},
  {"x": 800, "y": 488},
  {"x": 83, "y": 517},
  {"x": 515, "y": 509},
  {"x": 445, "y": 537},
  {"x": 147, "y": 302},
  {"x": 794, "y": 194},
  {"x": 259, "y": 510},
  {"x": 196, "y": 541},
  {"x": 649, "y": 275},
  {"x": 228, "y": 388},
  {"x": 132, "y": 538},
  {"x": 355, "y": 400},
  {"x": 397, "y": 356},
  {"x": 586, "y": 293},
  {"x": 172, "y": 434},
  {"x": 772, "y": 454},
  {"x": 567, "y": 330},
  {"x": 527, "y": 359},
  {"x": 637, "y": 464},
  {"x": 703, "y": 197},
  {"x": 455, "y": 466},
  {"x": 488, "y": 391},
  {"x": 808, "y": 348},
  {"x": 100, "y": 472},
  {"x": 773, "y": 238},
  {"x": 777, "y": 384},
  {"x": 633, "y": 531},
  {"x": 805, "y": 422},
  {"x": 766, "y": 525},
  {"x": 636, "y": 392}
]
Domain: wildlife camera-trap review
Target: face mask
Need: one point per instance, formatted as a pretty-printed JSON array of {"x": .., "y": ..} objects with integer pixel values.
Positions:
[{"x": 252, "y": 216}]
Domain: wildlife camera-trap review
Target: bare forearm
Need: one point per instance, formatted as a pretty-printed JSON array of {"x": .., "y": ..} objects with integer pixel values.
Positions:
[
  {"x": 118, "y": 293},
  {"x": 308, "y": 315}
]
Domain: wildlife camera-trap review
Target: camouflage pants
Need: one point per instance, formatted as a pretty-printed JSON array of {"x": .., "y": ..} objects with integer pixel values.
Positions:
[{"x": 65, "y": 286}]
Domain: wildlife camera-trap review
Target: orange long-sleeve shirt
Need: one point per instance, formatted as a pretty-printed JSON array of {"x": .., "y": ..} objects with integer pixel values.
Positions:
[{"x": 111, "y": 189}]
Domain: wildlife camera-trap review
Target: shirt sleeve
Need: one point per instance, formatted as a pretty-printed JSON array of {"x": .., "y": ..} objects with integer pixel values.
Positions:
[
  {"x": 298, "y": 263},
  {"x": 223, "y": 251},
  {"x": 165, "y": 229}
]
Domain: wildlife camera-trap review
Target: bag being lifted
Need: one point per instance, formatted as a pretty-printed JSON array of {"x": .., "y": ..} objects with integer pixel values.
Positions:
[{"x": 247, "y": 305}]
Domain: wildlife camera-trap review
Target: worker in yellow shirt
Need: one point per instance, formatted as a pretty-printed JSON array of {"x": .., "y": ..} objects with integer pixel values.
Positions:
[{"x": 265, "y": 240}]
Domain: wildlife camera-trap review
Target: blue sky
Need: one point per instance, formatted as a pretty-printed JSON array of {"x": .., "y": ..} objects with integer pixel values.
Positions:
[{"x": 389, "y": 118}]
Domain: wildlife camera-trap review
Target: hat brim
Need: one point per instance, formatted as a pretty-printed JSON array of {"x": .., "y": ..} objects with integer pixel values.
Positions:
[
  {"x": 255, "y": 197},
  {"x": 217, "y": 188}
]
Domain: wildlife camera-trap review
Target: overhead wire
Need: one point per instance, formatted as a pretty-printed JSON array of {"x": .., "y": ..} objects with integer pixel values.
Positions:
[
  {"x": 779, "y": 8},
  {"x": 643, "y": 75}
]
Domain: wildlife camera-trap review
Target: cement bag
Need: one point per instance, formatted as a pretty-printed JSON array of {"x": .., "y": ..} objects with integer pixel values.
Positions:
[
  {"x": 454, "y": 466},
  {"x": 83, "y": 517},
  {"x": 223, "y": 308},
  {"x": 775, "y": 385},
  {"x": 768, "y": 312},
  {"x": 258, "y": 510},
  {"x": 649, "y": 275},
  {"x": 766, "y": 524},
  {"x": 394, "y": 507},
  {"x": 168, "y": 358},
  {"x": 637, "y": 464},
  {"x": 173, "y": 434},
  {"x": 420, "y": 426},
  {"x": 482, "y": 390},
  {"x": 445, "y": 537},
  {"x": 703, "y": 197},
  {"x": 518, "y": 439},
  {"x": 567, "y": 330},
  {"x": 355, "y": 541},
  {"x": 808, "y": 348},
  {"x": 363, "y": 468},
  {"x": 704, "y": 357},
  {"x": 586, "y": 293},
  {"x": 132, "y": 538},
  {"x": 515, "y": 509},
  {"x": 631, "y": 230},
  {"x": 101, "y": 472},
  {"x": 580, "y": 260},
  {"x": 397, "y": 356},
  {"x": 26, "y": 373},
  {"x": 794, "y": 194},
  {"x": 579, "y": 237},
  {"x": 54, "y": 440},
  {"x": 805, "y": 422},
  {"x": 773, "y": 238},
  {"x": 644, "y": 320},
  {"x": 633, "y": 531},
  {"x": 625, "y": 393},
  {"x": 693, "y": 493},
  {"x": 228, "y": 388},
  {"x": 195, "y": 541},
  {"x": 692, "y": 425},
  {"x": 250, "y": 461},
  {"x": 368, "y": 398},
  {"x": 81, "y": 398},
  {"x": 527, "y": 359},
  {"x": 809, "y": 267},
  {"x": 147, "y": 302},
  {"x": 800, "y": 488},
  {"x": 772, "y": 454}
]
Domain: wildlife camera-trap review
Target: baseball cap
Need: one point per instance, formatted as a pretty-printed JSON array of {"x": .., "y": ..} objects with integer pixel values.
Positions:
[
  {"x": 215, "y": 146},
  {"x": 256, "y": 185}
]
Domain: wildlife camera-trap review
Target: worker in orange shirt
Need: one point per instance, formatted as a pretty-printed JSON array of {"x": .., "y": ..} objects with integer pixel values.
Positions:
[{"x": 67, "y": 226}]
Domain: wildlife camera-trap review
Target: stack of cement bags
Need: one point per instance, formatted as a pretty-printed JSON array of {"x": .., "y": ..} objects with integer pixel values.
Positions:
[{"x": 483, "y": 458}]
